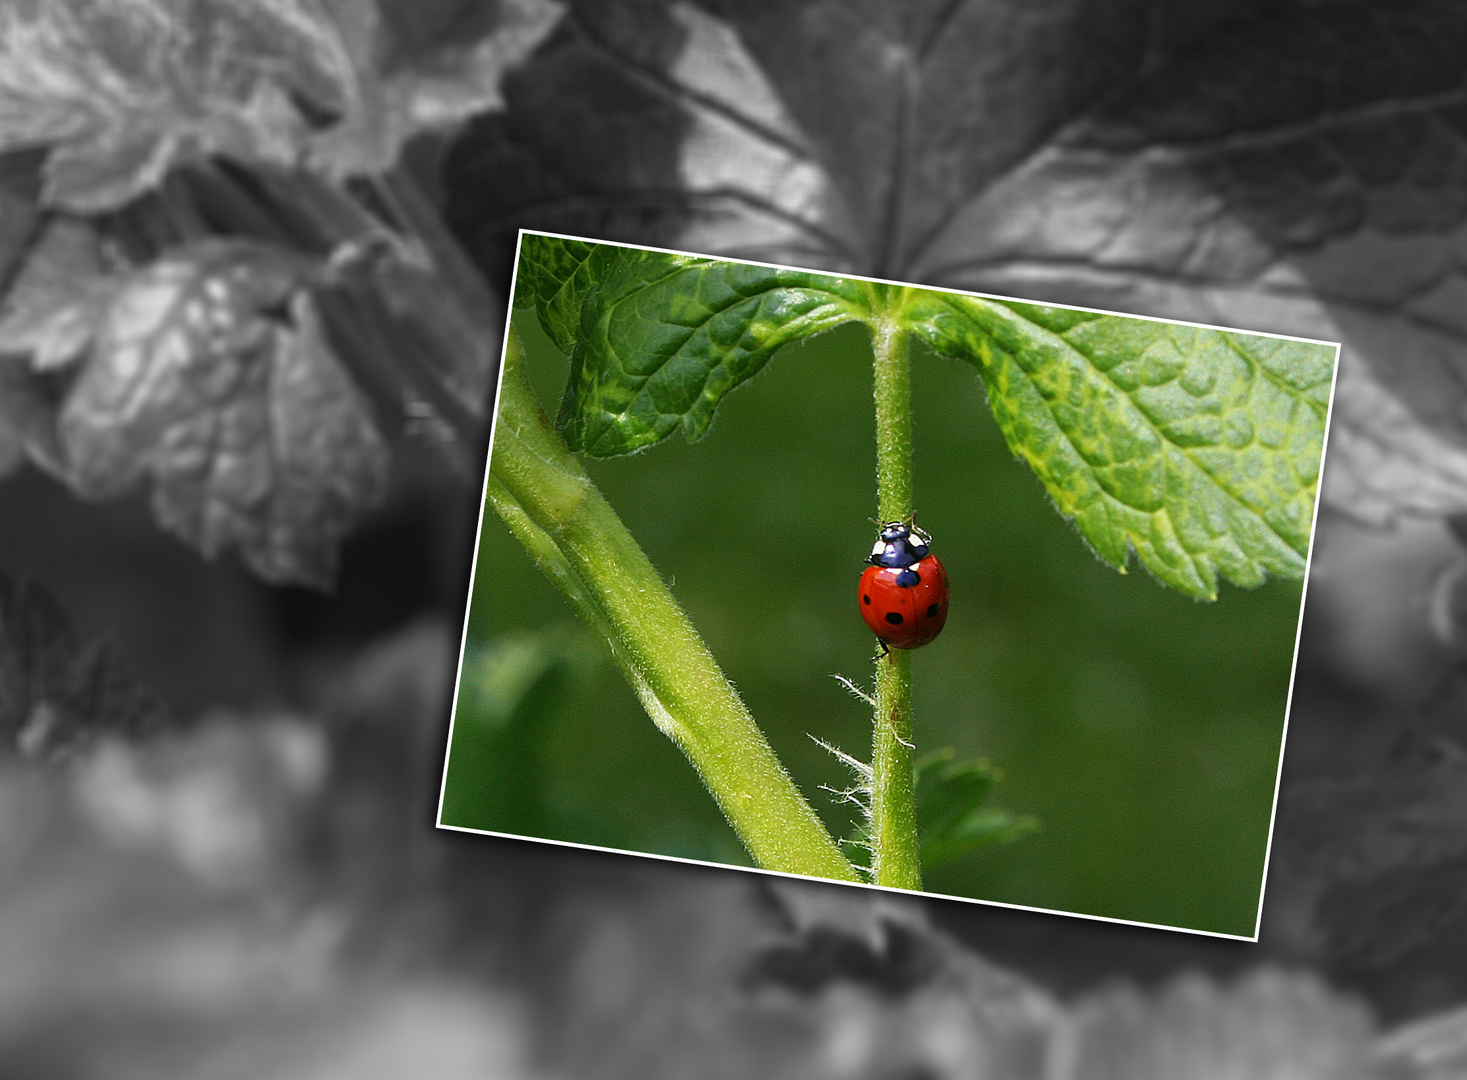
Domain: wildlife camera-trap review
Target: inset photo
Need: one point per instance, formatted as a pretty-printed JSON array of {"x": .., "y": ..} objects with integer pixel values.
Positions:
[{"x": 888, "y": 585}]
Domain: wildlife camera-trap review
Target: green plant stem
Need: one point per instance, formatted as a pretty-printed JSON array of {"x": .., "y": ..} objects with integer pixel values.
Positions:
[
  {"x": 896, "y": 857},
  {"x": 574, "y": 535}
]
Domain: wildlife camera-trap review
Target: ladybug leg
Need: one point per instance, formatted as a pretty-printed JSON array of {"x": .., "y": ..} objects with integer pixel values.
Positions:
[{"x": 885, "y": 648}]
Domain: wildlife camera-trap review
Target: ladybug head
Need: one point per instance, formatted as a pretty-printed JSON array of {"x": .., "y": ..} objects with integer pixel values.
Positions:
[{"x": 901, "y": 544}]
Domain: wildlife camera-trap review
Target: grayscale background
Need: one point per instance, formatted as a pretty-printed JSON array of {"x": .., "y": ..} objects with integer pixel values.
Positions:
[{"x": 219, "y": 862}]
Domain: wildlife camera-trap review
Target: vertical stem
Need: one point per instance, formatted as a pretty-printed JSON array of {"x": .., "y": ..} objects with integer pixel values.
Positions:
[{"x": 896, "y": 859}]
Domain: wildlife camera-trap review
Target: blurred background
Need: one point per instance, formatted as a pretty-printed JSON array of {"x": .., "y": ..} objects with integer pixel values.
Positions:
[{"x": 229, "y": 869}]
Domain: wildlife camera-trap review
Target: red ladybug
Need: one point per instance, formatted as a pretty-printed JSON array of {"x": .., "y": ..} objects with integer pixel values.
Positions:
[{"x": 903, "y": 592}]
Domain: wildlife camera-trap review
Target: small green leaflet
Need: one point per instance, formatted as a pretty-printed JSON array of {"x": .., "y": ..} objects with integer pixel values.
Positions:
[
  {"x": 1197, "y": 449},
  {"x": 952, "y": 818}
]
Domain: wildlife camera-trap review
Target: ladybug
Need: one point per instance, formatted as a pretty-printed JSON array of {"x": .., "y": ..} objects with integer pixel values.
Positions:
[{"x": 903, "y": 593}]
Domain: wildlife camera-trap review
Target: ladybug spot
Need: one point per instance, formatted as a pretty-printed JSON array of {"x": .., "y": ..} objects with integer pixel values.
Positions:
[
  {"x": 866, "y": 600},
  {"x": 932, "y": 610},
  {"x": 894, "y": 617}
]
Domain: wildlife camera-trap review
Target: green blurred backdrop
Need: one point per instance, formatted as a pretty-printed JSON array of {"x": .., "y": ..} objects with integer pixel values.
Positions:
[{"x": 1142, "y": 728}]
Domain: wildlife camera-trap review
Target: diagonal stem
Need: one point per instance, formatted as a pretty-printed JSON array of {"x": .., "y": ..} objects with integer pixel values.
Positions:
[{"x": 574, "y": 535}]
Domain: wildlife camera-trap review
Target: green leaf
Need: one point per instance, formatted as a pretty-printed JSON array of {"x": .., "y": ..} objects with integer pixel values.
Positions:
[
  {"x": 657, "y": 339},
  {"x": 556, "y": 275},
  {"x": 1197, "y": 449},
  {"x": 952, "y": 819}
]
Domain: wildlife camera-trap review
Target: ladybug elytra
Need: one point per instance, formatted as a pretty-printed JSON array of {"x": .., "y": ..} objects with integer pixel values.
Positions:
[{"x": 903, "y": 593}]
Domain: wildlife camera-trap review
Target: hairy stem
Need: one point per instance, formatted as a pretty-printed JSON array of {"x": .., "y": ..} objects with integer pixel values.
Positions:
[
  {"x": 574, "y": 535},
  {"x": 896, "y": 858}
]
